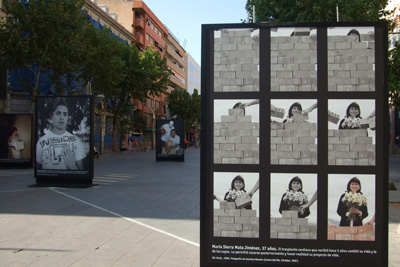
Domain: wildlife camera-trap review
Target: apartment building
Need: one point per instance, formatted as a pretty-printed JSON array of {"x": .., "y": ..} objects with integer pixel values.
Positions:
[{"x": 193, "y": 77}]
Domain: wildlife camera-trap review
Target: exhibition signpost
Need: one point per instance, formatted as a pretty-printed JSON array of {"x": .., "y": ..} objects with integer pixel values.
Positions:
[{"x": 294, "y": 164}]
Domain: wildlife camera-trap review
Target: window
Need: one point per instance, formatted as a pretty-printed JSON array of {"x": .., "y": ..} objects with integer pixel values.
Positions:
[
  {"x": 148, "y": 22},
  {"x": 156, "y": 30},
  {"x": 148, "y": 102},
  {"x": 157, "y": 105},
  {"x": 159, "y": 33},
  {"x": 147, "y": 36}
]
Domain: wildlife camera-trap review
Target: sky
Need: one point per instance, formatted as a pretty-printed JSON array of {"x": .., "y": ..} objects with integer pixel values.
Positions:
[{"x": 185, "y": 17}]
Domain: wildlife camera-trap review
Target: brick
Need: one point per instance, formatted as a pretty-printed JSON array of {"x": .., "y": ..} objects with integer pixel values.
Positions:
[
  {"x": 299, "y": 221},
  {"x": 254, "y": 220},
  {"x": 226, "y": 219},
  {"x": 348, "y": 230},
  {"x": 364, "y": 140},
  {"x": 277, "y": 125},
  {"x": 302, "y": 132},
  {"x": 346, "y": 162},
  {"x": 241, "y": 220},
  {"x": 343, "y": 237},
  {"x": 277, "y": 112},
  {"x": 227, "y": 206},
  {"x": 288, "y": 155},
  {"x": 273, "y": 235},
  {"x": 341, "y": 147},
  {"x": 284, "y": 147},
  {"x": 287, "y": 228},
  {"x": 333, "y": 117},
  {"x": 286, "y": 235},
  {"x": 289, "y": 214},
  {"x": 283, "y": 221},
  {"x": 307, "y": 140},
  {"x": 245, "y": 132},
  {"x": 358, "y": 147},
  {"x": 365, "y": 229},
  {"x": 231, "y": 212},
  {"x": 233, "y": 139},
  {"x": 331, "y": 236},
  {"x": 347, "y": 140},
  {"x": 360, "y": 237},
  {"x": 272, "y": 221},
  {"x": 277, "y": 140},
  {"x": 250, "y": 227},
  {"x": 216, "y": 219},
  {"x": 249, "y": 140},
  {"x": 228, "y": 233},
  {"x": 236, "y": 112},
  {"x": 230, "y": 227},
  {"x": 245, "y": 234},
  {"x": 244, "y": 119},
  {"x": 287, "y": 161},
  {"x": 225, "y": 118},
  {"x": 228, "y": 132},
  {"x": 304, "y": 236},
  {"x": 219, "y": 212},
  {"x": 248, "y": 213},
  {"x": 308, "y": 154},
  {"x": 301, "y": 147}
]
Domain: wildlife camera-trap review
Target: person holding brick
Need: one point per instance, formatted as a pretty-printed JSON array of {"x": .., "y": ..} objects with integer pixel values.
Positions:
[
  {"x": 297, "y": 114},
  {"x": 236, "y": 191},
  {"x": 352, "y": 206},
  {"x": 294, "y": 198},
  {"x": 353, "y": 119}
]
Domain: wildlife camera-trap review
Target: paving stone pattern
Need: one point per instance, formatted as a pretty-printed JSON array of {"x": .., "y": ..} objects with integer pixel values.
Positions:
[
  {"x": 350, "y": 147},
  {"x": 351, "y": 63},
  {"x": 290, "y": 226},
  {"x": 236, "y": 59},
  {"x": 235, "y": 139},
  {"x": 232, "y": 222}
]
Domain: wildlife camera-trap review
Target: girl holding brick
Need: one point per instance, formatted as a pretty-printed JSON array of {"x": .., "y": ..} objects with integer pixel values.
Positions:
[
  {"x": 352, "y": 206},
  {"x": 352, "y": 118},
  {"x": 294, "y": 198},
  {"x": 297, "y": 114},
  {"x": 236, "y": 191}
]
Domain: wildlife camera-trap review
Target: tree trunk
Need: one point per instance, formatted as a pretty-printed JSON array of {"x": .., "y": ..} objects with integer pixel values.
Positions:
[{"x": 115, "y": 146}]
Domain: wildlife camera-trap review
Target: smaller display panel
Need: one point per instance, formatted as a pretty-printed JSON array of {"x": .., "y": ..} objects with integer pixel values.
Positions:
[
  {"x": 15, "y": 140},
  {"x": 63, "y": 135},
  {"x": 170, "y": 143}
]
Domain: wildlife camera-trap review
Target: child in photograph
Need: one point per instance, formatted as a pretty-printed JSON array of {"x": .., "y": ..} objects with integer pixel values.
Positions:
[
  {"x": 294, "y": 198},
  {"x": 236, "y": 191},
  {"x": 352, "y": 206},
  {"x": 14, "y": 150},
  {"x": 297, "y": 114},
  {"x": 58, "y": 148},
  {"x": 352, "y": 120}
]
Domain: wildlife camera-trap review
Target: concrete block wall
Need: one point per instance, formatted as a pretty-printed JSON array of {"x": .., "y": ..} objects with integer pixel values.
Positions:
[
  {"x": 356, "y": 233},
  {"x": 351, "y": 63},
  {"x": 350, "y": 147},
  {"x": 232, "y": 222},
  {"x": 290, "y": 226},
  {"x": 236, "y": 61},
  {"x": 235, "y": 139},
  {"x": 293, "y": 63},
  {"x": 294, "y": 143}
]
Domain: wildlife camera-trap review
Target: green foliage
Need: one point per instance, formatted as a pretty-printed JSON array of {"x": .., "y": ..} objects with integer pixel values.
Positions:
[
  {"x": 42, "y": 36},
  {"x": 315, "y": 10},
  {"x": 185, "y": 106},
  {"x": 139, "y": 122},
  {"x": 394, "y": 76}
]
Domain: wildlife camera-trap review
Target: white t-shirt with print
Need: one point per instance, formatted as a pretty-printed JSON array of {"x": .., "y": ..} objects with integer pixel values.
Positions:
[{"x": 50, "y": 146}]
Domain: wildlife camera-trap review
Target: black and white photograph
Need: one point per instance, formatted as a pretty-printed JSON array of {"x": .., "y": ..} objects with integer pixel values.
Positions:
[
  {"x": 170, "y": 143},
  {"x": 236, "y": 204},
  {"x": 293, "y": 59},
  {"x": 351, "y": 59},
  {"x": 351, "y": 207},
  {"x": 351, "y": 132},
  {"x": 236, "y": 131},
  {"x": 294, "y": 205},
  {"x": 15, "y": 138},
  {"x": 236, "y": 60},
  {"x": 63, "y": 135},
  {"x": 294, "y": 131}
]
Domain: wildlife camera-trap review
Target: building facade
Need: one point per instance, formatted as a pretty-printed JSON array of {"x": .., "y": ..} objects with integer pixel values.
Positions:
[{"x": 193, "y": 77}]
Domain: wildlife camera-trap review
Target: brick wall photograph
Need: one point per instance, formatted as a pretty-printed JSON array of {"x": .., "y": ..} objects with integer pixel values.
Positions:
[
  {"x": 351, "y": 207},
  {"x": 351, "y": 132},
  {"x": 236, "y": 133},
  {"x": 351, "y": 59},
  {"x": 288, "y": 192},
  {"x": 294, "y": 132},
  {"x": 236, "y": 61},
  {"x": 293, "y": 60},
  {"x": 236, "y": 215}
]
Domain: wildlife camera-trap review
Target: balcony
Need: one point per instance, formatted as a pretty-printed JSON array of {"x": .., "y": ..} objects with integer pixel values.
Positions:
[
  {"x": 175, "y": 55},
  {"x": 177, "y": 82},
  {"x": 176, "y": 68},
  {"x": 139, "y": 38},
  {"x": 139, "y": 22}
]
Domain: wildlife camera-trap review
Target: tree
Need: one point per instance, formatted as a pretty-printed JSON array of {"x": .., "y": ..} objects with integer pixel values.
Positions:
[
  {"x": 394, "y": 75},
  {"x": 142, "y": 74},
  {"x": 315, "y": 10},
  {"x": 42, "y": 36},
  {"x": 186, "y": 107}
]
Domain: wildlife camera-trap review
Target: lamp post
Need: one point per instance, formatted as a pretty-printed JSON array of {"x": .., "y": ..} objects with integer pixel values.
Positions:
[{"x": 153, "y": 140}]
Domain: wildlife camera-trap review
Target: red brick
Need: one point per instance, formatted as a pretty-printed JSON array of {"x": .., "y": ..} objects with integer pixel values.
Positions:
[
  {"x": 331, "y": 236},
  {"x": 343, "y": 237},
  {"x": 348, "y": 230},
  {"x": 365, "y": 229}
]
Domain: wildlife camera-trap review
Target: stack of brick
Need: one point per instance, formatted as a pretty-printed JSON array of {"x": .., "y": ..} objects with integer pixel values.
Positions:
[
  {"x": 351, "y": 147},
  {"x": 290, "y": 226},
  {"x": 294, "y": 143},
  {"x": 235, "y": 139},
  {"x": 351, "y": 63},
  {"x": 293, "y": 64},
  {"x": 357, "y": 233},
  {"x": 232, "y": 222},
  {"x": 236, "y": 59}
]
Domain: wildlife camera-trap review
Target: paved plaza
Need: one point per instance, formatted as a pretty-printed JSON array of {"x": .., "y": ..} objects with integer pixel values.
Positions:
[{"x": 139, "y": 213}]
